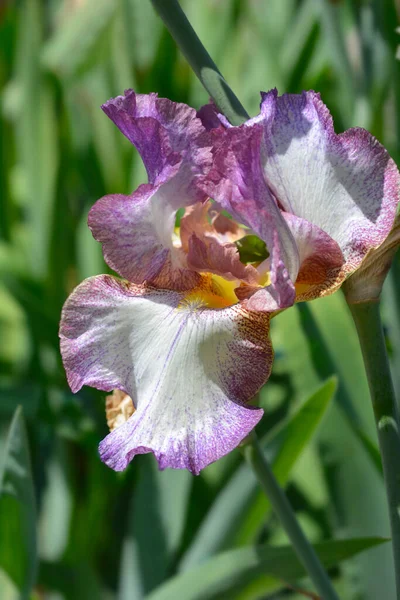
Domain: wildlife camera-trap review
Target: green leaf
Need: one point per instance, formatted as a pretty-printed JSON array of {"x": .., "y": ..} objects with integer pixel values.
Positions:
[
  {"x": 290, "y": 441},
  {"x": 158, "y": 514},
  {"x": 17, "y": 509},
  {"x": 226, "y": 573},
  {"x": 36, "y": 133},
  {"x": 241, "y": 506},
  {"x": 80, "y": 38},
  {"x": 325, "y": 365},
  {"x": 299, "y": 348},
  {"x": 251, "y": 249},
  {"x": 78, "y": 582}
]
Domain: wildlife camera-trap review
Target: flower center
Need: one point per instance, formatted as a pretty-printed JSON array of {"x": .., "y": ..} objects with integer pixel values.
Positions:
[{"x": 217, "y": 293}]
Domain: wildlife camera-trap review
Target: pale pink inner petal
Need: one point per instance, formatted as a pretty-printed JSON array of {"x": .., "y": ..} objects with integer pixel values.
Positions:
[{"x": 210, "y": 256}]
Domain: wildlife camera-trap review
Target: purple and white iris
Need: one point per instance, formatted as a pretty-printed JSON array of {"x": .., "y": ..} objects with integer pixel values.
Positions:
[{"x": 185, "y": 334}]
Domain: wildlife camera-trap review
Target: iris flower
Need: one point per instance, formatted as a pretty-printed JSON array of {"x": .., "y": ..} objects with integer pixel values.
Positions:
[{"x": 277, "y": 210}]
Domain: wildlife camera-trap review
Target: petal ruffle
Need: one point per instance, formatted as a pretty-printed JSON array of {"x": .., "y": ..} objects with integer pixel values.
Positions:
[
  {"x": 189, "y": 370},
  {"x": 164, "y": 132},
  {"x": 345, "y": 184},
  {"x": 136, "y": 234}
]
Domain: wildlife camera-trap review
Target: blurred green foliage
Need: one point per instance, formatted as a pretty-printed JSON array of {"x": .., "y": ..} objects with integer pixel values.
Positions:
[{"x": 69, "y": 527}]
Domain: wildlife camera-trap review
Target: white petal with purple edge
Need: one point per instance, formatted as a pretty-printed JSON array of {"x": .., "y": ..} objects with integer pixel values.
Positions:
[
  {"x": 345, "y": 184},
  {"x": 188, "y": 369}
]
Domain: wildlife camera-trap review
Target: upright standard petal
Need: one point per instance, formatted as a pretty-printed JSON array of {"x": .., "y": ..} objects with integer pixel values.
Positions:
[
  {"x": 237, "y": 183},
  {"x": 189, "y": 369},
  {"x": 345, "y": 184},
  {"x": 137, "y": 230},
  {"x": 162, "y": 131}
]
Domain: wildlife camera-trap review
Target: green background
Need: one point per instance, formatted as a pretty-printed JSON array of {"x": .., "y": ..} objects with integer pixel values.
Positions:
[{"x": 70, "y": 528}]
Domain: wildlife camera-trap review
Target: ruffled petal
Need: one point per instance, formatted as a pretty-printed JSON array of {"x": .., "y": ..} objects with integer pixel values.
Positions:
[
  {"x": 164, "y": 132},
  {"x": 136, "y": 233},
  {"x": 237, "y": 183},
  {"x": 345, "y": 184},
  {"x": 189, "y": 370}
]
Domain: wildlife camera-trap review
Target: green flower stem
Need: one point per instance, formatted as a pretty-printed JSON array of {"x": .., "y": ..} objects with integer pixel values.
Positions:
[
  {"x": 305, "y": 552},
  {"x": 369, "y": 328},
  {"x": 201, "y": 62}
]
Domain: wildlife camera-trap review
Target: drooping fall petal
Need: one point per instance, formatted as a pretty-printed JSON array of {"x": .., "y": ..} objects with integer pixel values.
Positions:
[{"x": 189, "y": 369}]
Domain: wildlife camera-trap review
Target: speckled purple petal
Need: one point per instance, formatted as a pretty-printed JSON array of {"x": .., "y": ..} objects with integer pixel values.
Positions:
[
  {"x": 189, "y": 370},
  {"x": 237, "y": 183},
  {"x": 345, "y": 184},
  {"x": 164, "y": 132}
]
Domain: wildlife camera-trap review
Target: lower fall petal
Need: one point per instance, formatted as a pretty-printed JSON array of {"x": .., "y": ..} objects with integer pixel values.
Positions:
[{"x": 189, "y": 369}]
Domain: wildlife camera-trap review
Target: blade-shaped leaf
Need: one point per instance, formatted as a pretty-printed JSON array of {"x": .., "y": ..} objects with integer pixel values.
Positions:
[
  {"x": 325, "y": 365},
  {"x": 224, "y": 521},
  {"x": 79, "y": 37},
  {"x": 157, "y": 519},
  {"x": 17, "y": 509},
  {"x": 227, "y": 572}
]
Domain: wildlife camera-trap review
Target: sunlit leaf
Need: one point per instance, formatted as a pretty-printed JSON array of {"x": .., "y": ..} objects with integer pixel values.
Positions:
[
  {"x": 158, "y": 514},
  {"x": 241, "y": 506},
  {"x": 17, "y": 509},
  {"x": 225, "y": 573}
]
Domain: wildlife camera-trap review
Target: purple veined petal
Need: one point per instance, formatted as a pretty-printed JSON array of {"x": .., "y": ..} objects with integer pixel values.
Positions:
[
  {"x": 345, "y": 184},
  {"x": 237, "y": 183},
  {"x": 164, "y": 132},
  {"x": 136, "y": 233},
  {"x": 189, "y": 370}
]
